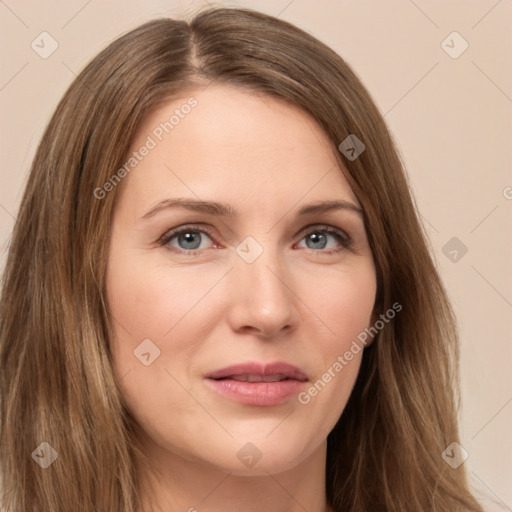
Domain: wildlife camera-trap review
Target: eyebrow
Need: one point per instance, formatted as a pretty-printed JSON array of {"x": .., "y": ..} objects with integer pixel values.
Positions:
[{"x": 225, "y": 210}]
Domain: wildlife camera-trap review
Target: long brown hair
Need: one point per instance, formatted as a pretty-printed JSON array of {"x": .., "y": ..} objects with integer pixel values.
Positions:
[{"x": 56, "y": 382}]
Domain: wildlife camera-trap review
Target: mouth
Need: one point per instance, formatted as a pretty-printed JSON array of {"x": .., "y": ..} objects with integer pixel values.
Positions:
[
  {"x": 257, "y": 384},
  {"x": 256, "y": 378}
]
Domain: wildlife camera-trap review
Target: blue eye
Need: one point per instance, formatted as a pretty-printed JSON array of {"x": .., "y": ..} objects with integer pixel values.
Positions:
[
  {"x": 319, "y": 238},
  {"x": 189, "y": 238}
]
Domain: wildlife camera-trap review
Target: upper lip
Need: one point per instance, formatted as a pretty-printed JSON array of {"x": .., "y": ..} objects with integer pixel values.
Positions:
[{"x": 286, "y": 370}]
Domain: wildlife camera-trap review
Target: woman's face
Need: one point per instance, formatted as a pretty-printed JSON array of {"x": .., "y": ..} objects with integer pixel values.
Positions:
[{"x": 229, "y": 332}]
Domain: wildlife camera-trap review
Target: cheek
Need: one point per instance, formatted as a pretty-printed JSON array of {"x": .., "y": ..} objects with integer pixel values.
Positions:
[
  {"x": 343, "y": 301},
  {"x": 172, "y": 307},
  {"x": 351, "y": 313},
  {"x": 345, "y": 307},
  {"x": 148, "y": 299}
]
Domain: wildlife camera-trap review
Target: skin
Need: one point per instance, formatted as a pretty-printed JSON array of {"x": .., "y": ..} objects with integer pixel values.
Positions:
[{"x": 301, "y": 301}]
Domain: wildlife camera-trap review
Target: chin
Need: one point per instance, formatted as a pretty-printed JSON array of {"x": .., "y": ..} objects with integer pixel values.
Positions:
[{"x": 261, "y": 457}]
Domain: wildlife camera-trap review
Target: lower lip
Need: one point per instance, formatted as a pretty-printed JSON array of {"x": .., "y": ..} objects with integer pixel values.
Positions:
[{"x": 256, "y": 393}]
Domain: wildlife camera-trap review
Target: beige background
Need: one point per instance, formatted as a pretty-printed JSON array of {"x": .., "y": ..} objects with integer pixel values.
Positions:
[{"x": 452, "y": 119}]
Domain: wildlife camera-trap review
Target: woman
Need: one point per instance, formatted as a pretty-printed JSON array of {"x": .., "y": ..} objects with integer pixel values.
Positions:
[{"x": 302, "y": 356}]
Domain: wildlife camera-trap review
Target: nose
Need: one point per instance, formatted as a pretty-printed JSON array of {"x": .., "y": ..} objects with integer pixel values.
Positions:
[{"x": 263, "y": 298}]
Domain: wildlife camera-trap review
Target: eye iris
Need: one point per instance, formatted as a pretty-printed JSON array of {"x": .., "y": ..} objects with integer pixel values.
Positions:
[
  {"x": 315, "y": 238},
  {"x": 188, "y": 237}
]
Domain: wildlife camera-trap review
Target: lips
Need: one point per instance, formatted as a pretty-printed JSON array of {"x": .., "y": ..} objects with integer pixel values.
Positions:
[
  {"x": 257, "y": 384},
  {"x": 258, "y": 378},
  {"x": 259, "y": 372}
]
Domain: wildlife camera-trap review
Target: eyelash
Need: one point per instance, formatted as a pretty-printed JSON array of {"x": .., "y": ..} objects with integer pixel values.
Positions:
[{"x": 340, "y": 236}]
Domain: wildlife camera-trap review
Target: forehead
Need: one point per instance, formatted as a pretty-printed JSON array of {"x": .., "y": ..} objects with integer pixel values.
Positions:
[{"x": 233, "y": 144}]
